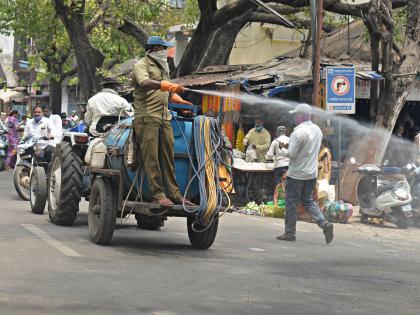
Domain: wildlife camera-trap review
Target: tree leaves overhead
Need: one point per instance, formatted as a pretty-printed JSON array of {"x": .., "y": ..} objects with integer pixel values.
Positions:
[{"x": 37, "y": 20}]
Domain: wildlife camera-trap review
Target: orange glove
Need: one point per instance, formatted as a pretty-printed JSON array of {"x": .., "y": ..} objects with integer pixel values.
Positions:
[
  {"x": 175, "y": 98},
  {"x": 167, "y": 86}
]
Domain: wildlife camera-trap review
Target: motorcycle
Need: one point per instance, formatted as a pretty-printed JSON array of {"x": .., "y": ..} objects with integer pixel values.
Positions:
[
  {"x": 3, "y": 149},
  {"x": 382, "y": 197},
  {"x": 30, "y": 174},
  {"x": 414, "y": 182}
]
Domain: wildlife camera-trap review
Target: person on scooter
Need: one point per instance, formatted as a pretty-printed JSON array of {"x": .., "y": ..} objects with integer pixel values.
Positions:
[
  {"x": 152, "y": 124},
  {"x": 302, "y": 151},
  {"x": 43, "y": 128},
  {"x": 104, "y": 104}
]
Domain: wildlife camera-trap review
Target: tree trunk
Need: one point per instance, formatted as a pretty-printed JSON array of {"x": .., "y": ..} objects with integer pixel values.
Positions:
[
  {"x": 87, "y": 56},
  {"x": 55, "y": 95},
  {"x": 196, "y": 47},
  {"x": 222, "y": 41}
]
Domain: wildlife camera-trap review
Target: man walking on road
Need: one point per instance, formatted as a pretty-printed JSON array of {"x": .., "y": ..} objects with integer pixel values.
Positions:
[{"x": 302, "y": 151}]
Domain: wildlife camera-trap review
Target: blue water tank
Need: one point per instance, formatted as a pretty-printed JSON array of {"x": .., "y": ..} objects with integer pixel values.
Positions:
[{"x": 183, "y": 136}]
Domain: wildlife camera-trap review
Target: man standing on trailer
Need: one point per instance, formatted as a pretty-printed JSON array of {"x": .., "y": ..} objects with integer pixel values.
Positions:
[{"x": 152, "y": 123}]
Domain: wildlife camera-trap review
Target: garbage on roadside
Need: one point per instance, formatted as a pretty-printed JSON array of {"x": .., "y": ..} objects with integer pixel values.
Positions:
[
  {"x": 272, "y": 210},
  {"x": 338, "y": 211},
  {"x": 250, "y": 209}
]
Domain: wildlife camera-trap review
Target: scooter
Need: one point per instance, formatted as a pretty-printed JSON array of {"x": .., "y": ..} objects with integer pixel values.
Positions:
[
  {"x": 382, "y": 197},
  {"x": 414, "y": 181},
  {"x": 3, "y": 149}
]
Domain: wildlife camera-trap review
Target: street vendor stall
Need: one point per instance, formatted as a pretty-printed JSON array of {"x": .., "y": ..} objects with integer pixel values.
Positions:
[{"x": 253, "y": 181}]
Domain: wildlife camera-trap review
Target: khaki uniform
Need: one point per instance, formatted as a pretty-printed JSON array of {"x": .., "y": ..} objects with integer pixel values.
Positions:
[
  {"x": 261, "y": 139},
  {"x": 153, "y": 130}
]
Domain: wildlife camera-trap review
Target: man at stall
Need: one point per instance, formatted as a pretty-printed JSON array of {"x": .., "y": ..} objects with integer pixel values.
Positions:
[
  {"x": 281, "y": 163},
  {"x": 106, "y": 103},
  {"x": 259, "y": 138},
  {"x": 303, "y": 151},
  {"x": 152, "y": 124}
]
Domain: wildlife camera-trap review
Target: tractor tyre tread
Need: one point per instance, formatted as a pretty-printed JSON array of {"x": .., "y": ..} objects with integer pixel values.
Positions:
[{"x": 71, "y": 186}]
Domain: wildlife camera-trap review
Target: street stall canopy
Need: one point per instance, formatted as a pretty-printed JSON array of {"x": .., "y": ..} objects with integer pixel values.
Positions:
[{"x": 280, "y": 71}]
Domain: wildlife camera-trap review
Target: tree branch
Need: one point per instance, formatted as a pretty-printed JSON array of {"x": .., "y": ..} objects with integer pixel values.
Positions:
[
  {"x": 134, "y": 30},
  {"x": 98, "y": 16},
  {"x": 69, "y": 73},
  {"x": 300, "y": 23}
]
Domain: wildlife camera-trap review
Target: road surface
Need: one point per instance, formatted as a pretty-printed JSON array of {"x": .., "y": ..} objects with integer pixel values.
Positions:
[{"x": 48, "y": 269}]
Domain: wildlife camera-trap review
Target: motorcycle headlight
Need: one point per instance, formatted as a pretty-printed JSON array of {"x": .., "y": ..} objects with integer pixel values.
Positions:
[{"x": 401, "y": 194}]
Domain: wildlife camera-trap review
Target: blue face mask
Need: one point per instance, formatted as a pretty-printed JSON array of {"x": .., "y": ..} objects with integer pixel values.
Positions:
[
  {"x": 259, "y": 128},
  {"x": 37, "y": 118}
]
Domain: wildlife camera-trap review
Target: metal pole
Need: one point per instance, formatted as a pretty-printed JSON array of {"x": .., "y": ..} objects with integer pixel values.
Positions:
[
  {"x": 348, "y": 35},
  {"x": 339, "y": 159},
  {"x": 316, "y": 24}
]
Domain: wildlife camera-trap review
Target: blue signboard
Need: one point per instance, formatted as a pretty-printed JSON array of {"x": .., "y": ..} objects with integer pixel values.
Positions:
[{"x": 341, "y": 88}]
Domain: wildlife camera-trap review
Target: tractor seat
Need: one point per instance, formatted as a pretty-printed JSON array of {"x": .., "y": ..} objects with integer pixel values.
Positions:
[{"x": 106, "y": 123}]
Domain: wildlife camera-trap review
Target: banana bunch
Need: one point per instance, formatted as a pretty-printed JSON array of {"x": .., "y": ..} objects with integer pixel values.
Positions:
[{"x": 240, "y": 135}]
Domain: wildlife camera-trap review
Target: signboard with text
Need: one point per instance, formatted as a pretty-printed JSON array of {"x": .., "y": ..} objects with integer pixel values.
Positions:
[{"x": 341, "y": 87}]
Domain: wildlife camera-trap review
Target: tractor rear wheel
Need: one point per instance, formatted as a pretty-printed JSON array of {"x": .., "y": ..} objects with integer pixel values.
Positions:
[{"x": 65, "y": 185}]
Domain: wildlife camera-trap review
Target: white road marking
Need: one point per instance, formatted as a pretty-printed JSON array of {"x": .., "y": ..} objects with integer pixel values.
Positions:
[
  {"x": 64, "y": 249},
  {"x": 354, "y": 244},
  {"x": 256, "y": 249}
]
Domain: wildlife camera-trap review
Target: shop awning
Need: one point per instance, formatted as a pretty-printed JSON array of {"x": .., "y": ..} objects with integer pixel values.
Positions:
[{"x": 368, "y": 75}]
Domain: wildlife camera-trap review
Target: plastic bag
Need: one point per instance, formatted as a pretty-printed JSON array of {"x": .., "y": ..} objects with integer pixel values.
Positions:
[
  {"x": 251, "y": 155},
  {"x": 338, "y": 212},
  {"x": 131, "y": 153}
]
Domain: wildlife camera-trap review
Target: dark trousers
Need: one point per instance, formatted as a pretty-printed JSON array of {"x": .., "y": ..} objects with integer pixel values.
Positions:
[
  {"x": 156, "y": 142},
  {"x": 300, "y": 191}
]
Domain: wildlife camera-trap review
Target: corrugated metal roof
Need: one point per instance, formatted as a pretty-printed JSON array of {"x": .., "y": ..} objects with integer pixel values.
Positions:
[{"x": 285, "y": 71}]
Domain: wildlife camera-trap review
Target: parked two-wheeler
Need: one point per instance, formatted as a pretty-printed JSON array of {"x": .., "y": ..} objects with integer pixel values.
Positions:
[
  {"x": 383, "y": 197},
  {"x": 3, "y": 149},
  {"x": 414, "y": 182}
]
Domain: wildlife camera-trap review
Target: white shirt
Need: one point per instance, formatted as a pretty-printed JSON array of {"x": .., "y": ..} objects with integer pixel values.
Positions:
[
  {"x": 44, "y": 128},
  {"x": 304, "y": 145},
  {"x": 58, "y": 126},
  {"x": 274, "y": 152},
  {"x": 105, "y": 103}
]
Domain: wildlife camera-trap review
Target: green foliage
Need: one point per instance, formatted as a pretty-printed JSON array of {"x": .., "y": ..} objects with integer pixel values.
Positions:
[
  {"x": 191, "y": 11},
  {"x": 400, "y": 22}
]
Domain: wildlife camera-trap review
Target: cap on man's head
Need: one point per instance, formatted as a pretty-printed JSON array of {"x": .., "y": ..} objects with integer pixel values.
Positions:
[
  {"x": 158, "y": 41},
  {"x": 110, "y": 80},
  {"x": 302, "y": 109}
]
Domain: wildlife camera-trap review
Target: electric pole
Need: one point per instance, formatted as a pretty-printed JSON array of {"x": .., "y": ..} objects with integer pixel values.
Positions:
[{"x": 316, "y": 28}]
